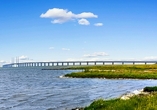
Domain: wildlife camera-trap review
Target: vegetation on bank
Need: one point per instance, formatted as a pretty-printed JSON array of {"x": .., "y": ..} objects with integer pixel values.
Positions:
[
  {"x": 137, "y": 102},
  {"x": 140, "y": 102},
  {"x": 150, "y": 89},
  {"x": 117, "y": 71}
]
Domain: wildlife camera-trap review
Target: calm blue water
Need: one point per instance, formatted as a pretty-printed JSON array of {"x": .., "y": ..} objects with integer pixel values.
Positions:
[{"x": 35, "y": 89}]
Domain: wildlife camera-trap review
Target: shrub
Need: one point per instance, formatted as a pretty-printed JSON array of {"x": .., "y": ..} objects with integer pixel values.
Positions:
[{"x": 150, "y": 89}]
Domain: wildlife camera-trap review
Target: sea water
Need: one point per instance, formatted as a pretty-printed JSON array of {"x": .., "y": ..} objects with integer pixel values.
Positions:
[{"x": 36, "y": 89}]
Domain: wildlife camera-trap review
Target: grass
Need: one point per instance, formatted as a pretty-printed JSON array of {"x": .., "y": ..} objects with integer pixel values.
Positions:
[
  {"x": 145, "y": 102},
  {"x": 117, "y": 71}
]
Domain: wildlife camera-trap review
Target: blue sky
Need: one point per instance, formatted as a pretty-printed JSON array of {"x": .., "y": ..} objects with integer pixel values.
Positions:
[{"x": 61, "y": 30}]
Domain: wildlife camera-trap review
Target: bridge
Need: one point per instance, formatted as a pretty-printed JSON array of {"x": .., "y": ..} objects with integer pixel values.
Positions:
[{"x": 74, "y": 63}]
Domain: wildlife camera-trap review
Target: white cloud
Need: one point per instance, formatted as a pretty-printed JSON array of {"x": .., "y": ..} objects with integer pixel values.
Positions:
[
  {"x": 86, "y": 15},
  {"x": 2, "y": 61},
  {"x": 63, "y": 15},
  {"x": 154, "y": 58},
  {"x": 83, "y": 22},
  {"x": 23, "y": 57},
  {"x": 96, "y": 54},
  {"x": 98, "y": 24},
  {"x": 65, "y": 49},
  {"x": 51, "y": 48},
  {"x": 88, "y": 59}
]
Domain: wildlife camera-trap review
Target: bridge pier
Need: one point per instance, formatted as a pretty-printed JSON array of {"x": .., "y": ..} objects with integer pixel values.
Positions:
[
  {"x": 87, "y": 63},
  {"x": 103, "y": 63}
]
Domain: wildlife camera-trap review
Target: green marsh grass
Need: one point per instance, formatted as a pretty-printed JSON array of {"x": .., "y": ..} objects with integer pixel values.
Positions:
[{"x": 117, "y": 71}]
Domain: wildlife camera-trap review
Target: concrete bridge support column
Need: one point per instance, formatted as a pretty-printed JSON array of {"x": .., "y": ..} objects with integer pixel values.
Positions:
[
  {"x": 95, "y": 63},
  {"x": 103, "y": 63}
]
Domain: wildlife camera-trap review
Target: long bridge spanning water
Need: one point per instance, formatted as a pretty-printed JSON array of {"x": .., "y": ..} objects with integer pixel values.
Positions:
[{"x": 74, "y": 63}]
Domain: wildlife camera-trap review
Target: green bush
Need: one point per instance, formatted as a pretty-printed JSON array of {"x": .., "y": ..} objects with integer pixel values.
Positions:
[{"x": 150, "y": 89}]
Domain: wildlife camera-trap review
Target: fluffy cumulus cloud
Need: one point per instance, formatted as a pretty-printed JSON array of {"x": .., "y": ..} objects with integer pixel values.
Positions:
[
  {"x": 86, "y": 15},
  {"x": 23, "y": 57},
  {"x": 96, "y": 54},
  {"x": 83, "y": 22},
  {"x": 63, "y": 15},
  {"x": 98, "y": 24},
  {"x": 59, "y": 15}
]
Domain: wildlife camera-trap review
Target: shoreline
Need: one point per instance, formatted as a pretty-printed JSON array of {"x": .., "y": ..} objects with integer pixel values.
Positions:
[
  {"x": 127, "y": 72},
  {"x": 137, "y": 99},
  {"x": 124, "y": 97}
]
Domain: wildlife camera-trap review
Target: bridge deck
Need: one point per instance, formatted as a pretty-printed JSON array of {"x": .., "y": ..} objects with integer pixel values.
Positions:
[{"x": 75, "y": 63}]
